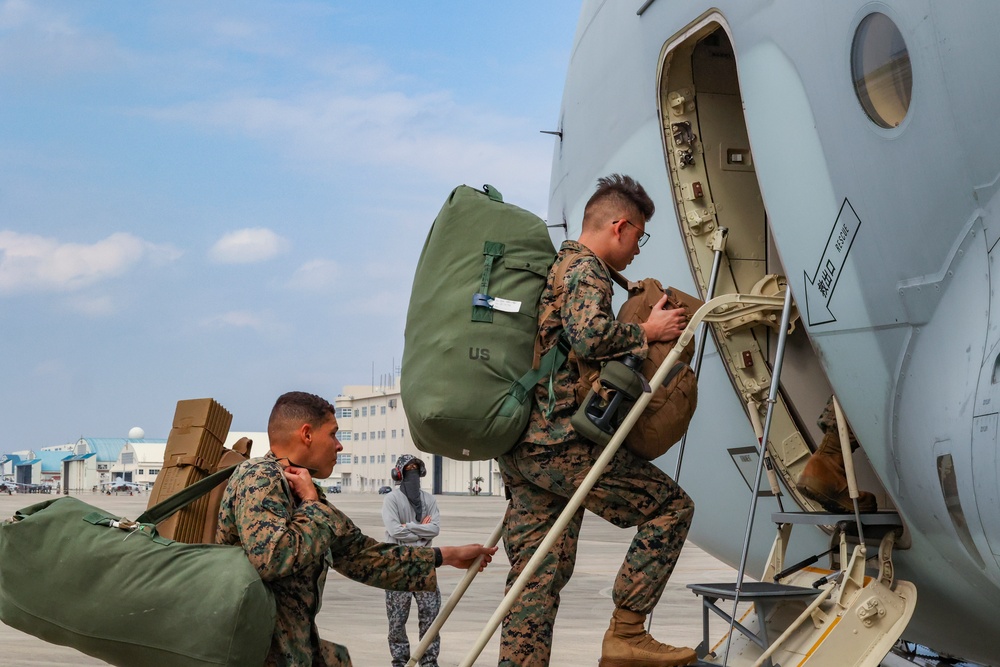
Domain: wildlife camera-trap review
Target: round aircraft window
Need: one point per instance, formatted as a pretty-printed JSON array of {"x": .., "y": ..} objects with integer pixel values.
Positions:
[{"x": 880, "y": 65}]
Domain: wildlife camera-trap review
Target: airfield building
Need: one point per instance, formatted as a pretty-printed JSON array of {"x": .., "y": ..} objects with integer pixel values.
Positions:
[{"x": 374, "y": 433}]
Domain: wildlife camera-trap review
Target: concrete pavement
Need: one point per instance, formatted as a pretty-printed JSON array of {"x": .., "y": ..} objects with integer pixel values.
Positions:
[{"x": 354, "y": 614}]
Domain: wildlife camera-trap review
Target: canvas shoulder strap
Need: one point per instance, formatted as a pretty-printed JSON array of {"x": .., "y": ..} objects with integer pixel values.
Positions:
[
  {"x": 622, "y": 281},
  {"x": 562, "y": 350},
  {"x": 165, "y": 508},
  {"x": 558, "y": 278}
]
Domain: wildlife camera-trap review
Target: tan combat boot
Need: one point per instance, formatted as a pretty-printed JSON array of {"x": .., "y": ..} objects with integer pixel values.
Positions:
[
  {"x": 824, "y": 480},
  {"x": 627, "y": 644}
]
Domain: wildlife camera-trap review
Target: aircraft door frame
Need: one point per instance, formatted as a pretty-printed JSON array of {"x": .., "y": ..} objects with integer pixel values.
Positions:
[{"x": 714, "y": 184}]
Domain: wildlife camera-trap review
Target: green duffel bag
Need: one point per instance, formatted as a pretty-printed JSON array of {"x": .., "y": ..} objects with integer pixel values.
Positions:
[
  {"x": 466, "y": 382},
  {"x": 75, "y": 575}
]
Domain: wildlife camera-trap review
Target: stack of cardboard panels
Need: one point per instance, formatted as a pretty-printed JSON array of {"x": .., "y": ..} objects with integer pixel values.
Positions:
[
  {"x": 194, "y": 448},
  {"x": 230, "y": 457}
]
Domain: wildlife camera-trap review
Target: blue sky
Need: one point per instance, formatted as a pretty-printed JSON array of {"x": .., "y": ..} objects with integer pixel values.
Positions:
[{"x": 228, "y": 199}]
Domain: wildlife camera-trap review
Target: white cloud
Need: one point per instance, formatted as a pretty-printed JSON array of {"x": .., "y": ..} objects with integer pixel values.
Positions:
[
  {"x": 35, "y": 263},
  {"x": 246, "y": 246},
  {"x": 20, "y": 14},
  {"x": 428, "y": 133},
  {"x": 263, "y": 323},
  {"x": 93, "y": 306},
  {"x": 237, "y": 319},
  {"x": 39, "y": 42},
  {"x": 316, "y": 275}
]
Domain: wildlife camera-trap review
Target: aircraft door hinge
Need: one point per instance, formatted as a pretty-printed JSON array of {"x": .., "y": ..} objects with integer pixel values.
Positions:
[
  {"x": 701, "y": 220},
  {"x": 755, "y": 389},
  {"x": 681, "y": 101},
  {"x": 870, "y": 611},
  {"x": 886, "y": 570}
]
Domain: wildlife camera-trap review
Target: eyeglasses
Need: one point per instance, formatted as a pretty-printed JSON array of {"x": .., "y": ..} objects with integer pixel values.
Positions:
[{"x": 645, "y": 235}]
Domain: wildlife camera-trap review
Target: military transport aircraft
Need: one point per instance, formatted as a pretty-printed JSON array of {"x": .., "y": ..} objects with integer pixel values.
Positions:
[{"x": 851, "y": 151}]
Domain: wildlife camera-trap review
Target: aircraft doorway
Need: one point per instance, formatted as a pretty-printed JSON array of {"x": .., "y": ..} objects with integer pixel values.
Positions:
[{"x": 709, "y": 157}]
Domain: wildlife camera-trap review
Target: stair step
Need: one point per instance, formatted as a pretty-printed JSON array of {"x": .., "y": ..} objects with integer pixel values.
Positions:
[
  {"x": 752, "y": 590},
  {"x": 832, "y": 518},
  {"x": 696, "y": 663}
]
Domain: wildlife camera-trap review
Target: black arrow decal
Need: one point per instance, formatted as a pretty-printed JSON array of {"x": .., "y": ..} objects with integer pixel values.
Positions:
[{"x": 819, "y": 289}]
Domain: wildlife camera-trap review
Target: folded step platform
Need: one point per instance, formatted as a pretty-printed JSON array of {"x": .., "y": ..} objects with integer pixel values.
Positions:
[
  {"x": 764, "y": 595},
  {"x": 833, "y": 518},
  {"x": 876, "y": 525}
]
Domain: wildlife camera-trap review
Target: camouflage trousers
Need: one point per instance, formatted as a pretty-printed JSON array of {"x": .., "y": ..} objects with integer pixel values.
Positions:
[
  {"x": 334, "y": 655},
  {"x": 540, "y": 479},
  {"x": 397, "y": 608}
]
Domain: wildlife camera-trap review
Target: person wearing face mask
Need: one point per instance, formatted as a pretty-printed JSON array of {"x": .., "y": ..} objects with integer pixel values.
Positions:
[{"x": 411, "y": 517}]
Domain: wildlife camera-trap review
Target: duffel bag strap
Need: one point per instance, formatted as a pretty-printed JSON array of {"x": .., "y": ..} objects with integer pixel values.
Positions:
[
  {"x": 167, "y": 507},
  {"x": 622, "y": 281},
  {"x": 482, "y": 302},
  {"x": 550, "y": 363}
]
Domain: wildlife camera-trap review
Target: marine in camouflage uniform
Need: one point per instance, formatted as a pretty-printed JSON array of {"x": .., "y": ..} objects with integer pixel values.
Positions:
[
  {"x": 546, "y": 468},
  {"x": 293, "y": 544}
]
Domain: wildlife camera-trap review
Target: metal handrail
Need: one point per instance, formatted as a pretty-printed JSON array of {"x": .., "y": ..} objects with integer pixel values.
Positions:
[
  {"x": 771, "y": 400},
  {"x": 719, "y": 248}
]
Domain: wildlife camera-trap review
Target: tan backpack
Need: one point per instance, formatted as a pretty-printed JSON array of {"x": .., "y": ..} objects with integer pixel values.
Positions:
[{"x": 666, "y": 418}]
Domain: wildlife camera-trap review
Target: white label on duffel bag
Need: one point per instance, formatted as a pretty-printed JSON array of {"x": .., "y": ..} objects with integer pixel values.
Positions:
[{"x": 506, "y": 305}]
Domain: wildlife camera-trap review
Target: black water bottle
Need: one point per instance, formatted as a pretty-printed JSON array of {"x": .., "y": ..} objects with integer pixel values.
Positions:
[{"x": 606, "y": 415}]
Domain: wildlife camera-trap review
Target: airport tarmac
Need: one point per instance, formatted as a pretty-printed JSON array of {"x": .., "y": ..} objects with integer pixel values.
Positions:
[{"x": 354, "y": 614}]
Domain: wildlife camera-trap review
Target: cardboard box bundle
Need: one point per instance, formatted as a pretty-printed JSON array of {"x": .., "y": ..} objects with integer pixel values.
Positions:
[{"x": 194, "y": 448}]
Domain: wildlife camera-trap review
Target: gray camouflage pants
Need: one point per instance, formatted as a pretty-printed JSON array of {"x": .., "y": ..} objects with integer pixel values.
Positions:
[{"x": 397, "y": 608}]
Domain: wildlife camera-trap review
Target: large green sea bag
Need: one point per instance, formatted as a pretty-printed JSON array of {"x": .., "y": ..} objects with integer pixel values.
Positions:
[
  {"x": 76, "y": 575},
  {"x": 466, "y": 381}
]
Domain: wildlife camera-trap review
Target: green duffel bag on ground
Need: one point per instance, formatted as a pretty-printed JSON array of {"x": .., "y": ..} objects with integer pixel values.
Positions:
[
  {"x": 466, "y": 382},
  {"x": 70, "y": 575}
]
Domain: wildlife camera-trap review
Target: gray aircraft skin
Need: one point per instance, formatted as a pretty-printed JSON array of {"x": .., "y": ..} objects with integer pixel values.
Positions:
[{"x": 882, "y": 213}]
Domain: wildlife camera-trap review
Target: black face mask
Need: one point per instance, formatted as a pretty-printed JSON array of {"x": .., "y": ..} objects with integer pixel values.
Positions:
[{"x": 411, "y": 489}]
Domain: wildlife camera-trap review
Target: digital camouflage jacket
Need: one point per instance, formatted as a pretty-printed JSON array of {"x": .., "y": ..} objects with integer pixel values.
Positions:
[
  {"x": 292, "y": 545},
  {"x": 588, "y": 320}
]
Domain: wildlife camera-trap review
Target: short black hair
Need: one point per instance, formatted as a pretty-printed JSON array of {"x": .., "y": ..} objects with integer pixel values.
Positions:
[
  {"x": 302, "y": 407},
  {"x": 623, "y": 191}
]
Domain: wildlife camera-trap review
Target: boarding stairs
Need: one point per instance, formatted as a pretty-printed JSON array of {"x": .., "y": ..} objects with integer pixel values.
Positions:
[
  {"x": 803, "y": 615},
  {"x": 843, "y": 615},
  {"x": 845, "y": 594}
]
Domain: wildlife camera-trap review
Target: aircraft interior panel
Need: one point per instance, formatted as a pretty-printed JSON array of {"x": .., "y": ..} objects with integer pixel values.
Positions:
[{"x": 708, "y": 154}]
